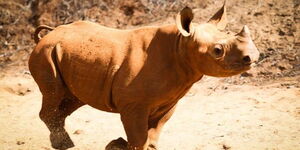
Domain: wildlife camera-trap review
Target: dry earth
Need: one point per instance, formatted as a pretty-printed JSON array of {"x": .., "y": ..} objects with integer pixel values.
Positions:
[
  {"x": 258, "y": 110},
  {"x": 214, "y": 115}
]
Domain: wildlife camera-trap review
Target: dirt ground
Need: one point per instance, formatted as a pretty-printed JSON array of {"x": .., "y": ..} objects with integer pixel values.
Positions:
[
  {"x": 258, "y": 110},
  {"x": 214, "y": 115}
]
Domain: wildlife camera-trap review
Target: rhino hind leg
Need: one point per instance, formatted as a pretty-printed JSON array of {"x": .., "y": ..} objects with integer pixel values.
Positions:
[
  {"x": 54, "y": 118},
  {"x": 55, "y": 108},
  {"x": 57, "y": 101}
]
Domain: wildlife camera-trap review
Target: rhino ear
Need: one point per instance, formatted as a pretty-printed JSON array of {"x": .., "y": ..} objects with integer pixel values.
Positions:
[
  {"x": 183, "y": 21},
  {"x": 219, "y": 19}
]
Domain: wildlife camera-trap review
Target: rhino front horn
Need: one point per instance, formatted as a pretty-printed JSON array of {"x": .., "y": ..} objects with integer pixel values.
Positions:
[{"x": 245, "y": 32}]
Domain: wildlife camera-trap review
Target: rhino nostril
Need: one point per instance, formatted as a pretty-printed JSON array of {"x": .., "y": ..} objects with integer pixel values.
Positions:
[{"x": 246, "y": 59}]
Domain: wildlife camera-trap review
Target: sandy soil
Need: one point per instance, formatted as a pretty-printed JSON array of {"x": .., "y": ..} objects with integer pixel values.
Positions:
[{"x": 214, "y": 115}]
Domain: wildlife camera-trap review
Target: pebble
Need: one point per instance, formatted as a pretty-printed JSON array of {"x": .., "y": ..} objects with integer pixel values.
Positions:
[
  {"x": 78, "y": 132},
  {"x": 20, "y": 142}
]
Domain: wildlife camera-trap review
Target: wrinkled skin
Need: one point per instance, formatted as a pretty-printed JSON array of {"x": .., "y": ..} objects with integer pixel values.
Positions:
[{"x": 139, "y": 73}]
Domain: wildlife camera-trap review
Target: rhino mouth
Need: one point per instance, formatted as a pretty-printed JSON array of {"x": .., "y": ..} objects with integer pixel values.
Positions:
[{"x": 238, "y": 67}]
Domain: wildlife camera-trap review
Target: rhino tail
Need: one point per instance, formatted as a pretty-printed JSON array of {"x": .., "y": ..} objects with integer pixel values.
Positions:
[
  {"x": 37, "y": 36},
  {"x": 57, "y": 59}
]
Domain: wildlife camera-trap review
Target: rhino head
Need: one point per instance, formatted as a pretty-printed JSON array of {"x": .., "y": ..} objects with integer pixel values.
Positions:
[{"x": 213, "y": 52}]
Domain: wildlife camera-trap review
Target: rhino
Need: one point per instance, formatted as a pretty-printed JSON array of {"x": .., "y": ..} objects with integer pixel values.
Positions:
[{"x": 139, "y": 73}]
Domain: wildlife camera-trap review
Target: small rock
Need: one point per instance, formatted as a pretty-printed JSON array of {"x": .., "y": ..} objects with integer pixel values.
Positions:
[
  {"x": 21, "y": 93},
  {"x": 128, "y": 10},
  {"x": 270, "y": 4},
  {"x": 281, "y": 33},
  {"x": 257, "y": 14},
  {"x": 281, "y": 68},
  {"x": 78, "y": 132},
  {"x": 104, "y": 8},
  {"x": 262, "y": 56},
  {"x": 20, "y": 142},
  {"x": 225, "y": 147},
  {"x": 26, "y": 72},
  {"x": 246, "y": 74}
]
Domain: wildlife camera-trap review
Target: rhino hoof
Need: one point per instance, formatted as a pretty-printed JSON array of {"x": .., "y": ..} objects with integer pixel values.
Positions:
[
  {"x": 61, "y": 141},
  {"x": 118, "y": 144}
]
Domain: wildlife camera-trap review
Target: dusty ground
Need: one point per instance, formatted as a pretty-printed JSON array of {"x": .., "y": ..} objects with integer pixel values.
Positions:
[
  {"x": 213, "y": 116},
  {"x": 258, "y": 110}
]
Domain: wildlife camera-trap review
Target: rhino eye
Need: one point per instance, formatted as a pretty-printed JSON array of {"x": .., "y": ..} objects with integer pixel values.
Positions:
[{"x": 218, "y": 51}]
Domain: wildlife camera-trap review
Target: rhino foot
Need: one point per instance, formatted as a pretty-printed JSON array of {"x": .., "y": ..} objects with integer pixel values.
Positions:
[
  {"x": 118, "y": 144},
  {"x": 61, "y": 141}
]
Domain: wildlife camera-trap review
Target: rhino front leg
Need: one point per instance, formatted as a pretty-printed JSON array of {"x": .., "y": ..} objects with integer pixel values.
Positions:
[
  {"x": 135, "y": 122},
  {"x": 156, "y": 123}
]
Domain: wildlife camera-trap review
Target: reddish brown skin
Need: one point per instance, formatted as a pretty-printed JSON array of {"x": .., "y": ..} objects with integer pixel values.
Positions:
[{"x": 140, "y": 73}]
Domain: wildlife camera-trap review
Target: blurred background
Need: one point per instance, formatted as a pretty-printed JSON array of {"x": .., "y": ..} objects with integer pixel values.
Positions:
[{"x": 259, "y": 109}]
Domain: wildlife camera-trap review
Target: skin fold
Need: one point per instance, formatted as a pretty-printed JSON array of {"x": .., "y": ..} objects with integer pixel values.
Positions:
[{"x": 140, "y": 73}]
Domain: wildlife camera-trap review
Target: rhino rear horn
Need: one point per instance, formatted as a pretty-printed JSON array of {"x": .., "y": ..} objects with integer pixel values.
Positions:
[{"x": 245, "y": 32}]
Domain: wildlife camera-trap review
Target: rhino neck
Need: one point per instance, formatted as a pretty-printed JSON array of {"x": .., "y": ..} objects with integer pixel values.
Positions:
[{"x": 181, "y": 57}]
